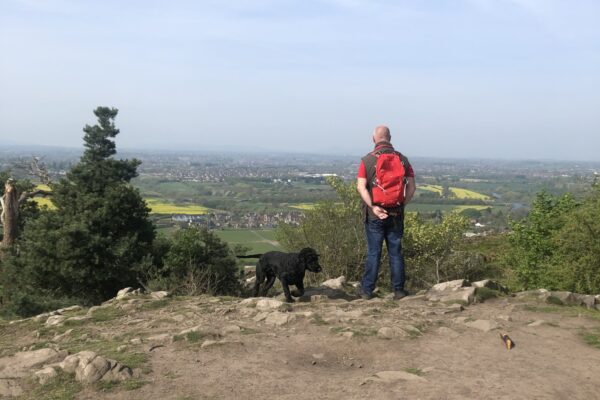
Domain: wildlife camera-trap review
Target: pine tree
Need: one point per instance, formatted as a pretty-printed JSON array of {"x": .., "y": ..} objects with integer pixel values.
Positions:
[{"x": 98, "y": 237}]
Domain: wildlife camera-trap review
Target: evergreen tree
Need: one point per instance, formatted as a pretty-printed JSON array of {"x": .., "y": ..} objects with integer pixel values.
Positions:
[{"x": 99, "y": 236}]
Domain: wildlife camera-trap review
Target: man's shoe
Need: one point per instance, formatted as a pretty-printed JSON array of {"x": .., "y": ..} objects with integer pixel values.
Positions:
[
  {"x": 400, "y": 294},
  {"x": 366, "y": 296}
]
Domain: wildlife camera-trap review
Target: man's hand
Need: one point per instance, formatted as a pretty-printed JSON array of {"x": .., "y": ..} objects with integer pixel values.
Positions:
[{"x": 381, "y": 213}]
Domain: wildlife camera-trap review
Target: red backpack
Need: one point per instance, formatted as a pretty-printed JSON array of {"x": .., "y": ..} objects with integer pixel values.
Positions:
[{"x": 389, "y": 183}]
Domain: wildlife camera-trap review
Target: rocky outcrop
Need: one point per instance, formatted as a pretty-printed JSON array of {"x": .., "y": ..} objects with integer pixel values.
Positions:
[{"x": 459, "y": 291}]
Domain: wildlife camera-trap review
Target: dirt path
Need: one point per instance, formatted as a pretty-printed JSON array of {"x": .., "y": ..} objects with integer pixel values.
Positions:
[{"x": 333, "y": 349}]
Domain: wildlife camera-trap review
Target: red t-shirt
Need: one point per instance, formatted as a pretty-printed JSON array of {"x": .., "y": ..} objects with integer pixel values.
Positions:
[{"x": 362, "y": 171}]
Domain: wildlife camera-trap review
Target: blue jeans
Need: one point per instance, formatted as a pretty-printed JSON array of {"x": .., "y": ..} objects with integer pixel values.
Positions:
[{"x": 378, "y": 230}]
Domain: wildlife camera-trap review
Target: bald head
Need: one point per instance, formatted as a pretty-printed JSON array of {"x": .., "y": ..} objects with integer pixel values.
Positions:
[{"x": 381, "y": 133}]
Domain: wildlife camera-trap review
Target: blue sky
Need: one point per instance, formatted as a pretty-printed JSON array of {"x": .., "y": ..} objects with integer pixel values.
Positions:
[{"x": 462, "y": 78}]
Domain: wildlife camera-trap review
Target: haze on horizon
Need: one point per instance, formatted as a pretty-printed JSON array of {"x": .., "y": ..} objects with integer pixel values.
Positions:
[{"x": 513, "y": 79}]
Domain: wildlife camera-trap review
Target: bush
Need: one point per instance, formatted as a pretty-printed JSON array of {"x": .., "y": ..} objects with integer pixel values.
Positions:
[{"x": 197, "y": 262}]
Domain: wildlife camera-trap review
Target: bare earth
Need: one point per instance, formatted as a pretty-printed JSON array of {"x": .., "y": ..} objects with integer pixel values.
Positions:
[{"x": 337, "y": 349}]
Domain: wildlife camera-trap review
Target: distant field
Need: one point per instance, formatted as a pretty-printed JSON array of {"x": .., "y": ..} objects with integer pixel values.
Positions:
[
  {"x": 303, "y": 206},
  {"x": 259, "y": 240},
  {"x": 417, "y": 207},
  {"x": 158, "y": 206},
  {"x": 458, "y": 192}
]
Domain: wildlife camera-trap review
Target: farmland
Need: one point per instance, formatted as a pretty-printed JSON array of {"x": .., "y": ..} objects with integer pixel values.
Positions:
[
  {"x": 258, "y": 240},
  {"x": 458, "y": 193}
]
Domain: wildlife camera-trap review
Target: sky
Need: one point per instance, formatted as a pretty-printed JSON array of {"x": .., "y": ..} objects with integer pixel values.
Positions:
[{"x": 511, "y": 79}]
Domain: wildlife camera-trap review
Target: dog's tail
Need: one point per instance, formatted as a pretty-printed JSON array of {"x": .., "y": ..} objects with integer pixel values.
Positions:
[{"x": 250, "y": 256}]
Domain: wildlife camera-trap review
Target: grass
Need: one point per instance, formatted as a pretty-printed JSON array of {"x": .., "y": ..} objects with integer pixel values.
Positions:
[
  {"x": 414, "y": 371},
  {"x": 62, "y": 387},
  {"x": 258, "y": 240},
  {"x": 105, "y": 314},
  {"x": 129, "y": 384},
  {"x": 572, "y": 311},
  {"x": 482, "y": 294},
  {"x": 155, "y": 304},
  {"x": 303, "y": 206},
  {"x": 318, "y": 320},
  {"x": 592, "y": 337}
]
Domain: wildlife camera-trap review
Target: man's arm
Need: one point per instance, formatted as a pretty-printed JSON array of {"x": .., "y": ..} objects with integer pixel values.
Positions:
[
  {"x": 361, "y": 186},
  {"x": 410, "y": 189}
]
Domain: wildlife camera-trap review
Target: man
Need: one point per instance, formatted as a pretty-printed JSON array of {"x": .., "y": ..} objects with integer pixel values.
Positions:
[{"x": 384, "y": 221}]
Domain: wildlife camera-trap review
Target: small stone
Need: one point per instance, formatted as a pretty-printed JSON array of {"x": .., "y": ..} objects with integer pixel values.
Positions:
[
  {"x": 121, "y": 348},
  {"x": 159, "y": 295},
  {"x": 123, "y": 293},
  {"x": 319, "y": 356},
  {"x": 272, "y": 304},
  {"x": 136, "y": 341},
  {"x": 337, "y": 283},
  {"x": 161, "y": 338},
  {"x": 506, "y": 318},
  {"x": 348, "y": 335},
  {"x": 46, "y": 374},
  {"x": 69, "y": 309}
]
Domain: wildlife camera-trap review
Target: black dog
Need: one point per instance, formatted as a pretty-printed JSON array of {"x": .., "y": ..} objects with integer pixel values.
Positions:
[{"x": 288, "y": 267}]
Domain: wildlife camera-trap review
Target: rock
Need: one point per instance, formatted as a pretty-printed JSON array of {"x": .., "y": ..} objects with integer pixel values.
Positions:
[
  {"x": 208, "y": 343},
  {"x": 121, "y": 294},
  {"x": 319, "y": 356},
  {"x": 386, "y": 332},
  {"x": 272, "y": 304},
  {"x": 249, "y": 269},
  {"x": 55, "y": 320},
  {"x": 68, "y": 309},
  {"x": 487, "y": 283},
  {"x": 261, "y": 316},
  {"x": 394, "y": 376},
  {"x": 136, "y": 341},
  {"x": 450, "y": 285},
  {"x": 20, "y": 364},
  {"x": 279, "y": 318},
  {"x": 127, "y": 292},
  {"x": 337, "y": 283},
  {"x": 118, "y": 372},
  {"x": 348, "y": 334},
  {"x": 565, "y": 298},
  {"x": 483, "y": 325},
  {"x": 588, "y": 301},
  {"x": 10, "y": 388},
  {"x": 251, "y": 301},
  {"x": 44, "y": 375},
  {"x": 229, "y": 329},
  {"x": 159, "y": 295},
  {"x": 121, "y": 348},
  {"x": 537, "y": 323},
  {"x": 250, "y": 282},
  {"x": 92, "y": 371},
  {"x": 61, "y": 337},
  {"x": 465, "y": 295}
]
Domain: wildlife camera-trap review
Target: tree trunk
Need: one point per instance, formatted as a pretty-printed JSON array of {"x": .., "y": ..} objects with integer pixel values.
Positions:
[{"x": 10, "y": 214}]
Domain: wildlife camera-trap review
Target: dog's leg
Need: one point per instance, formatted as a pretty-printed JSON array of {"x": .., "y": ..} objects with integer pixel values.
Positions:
[
  {"x": 299, "y": 292},
  {"x": 259, "y": 279},
  {"x": 286, "y": 291},
  {"x": 270, "y": 282}
]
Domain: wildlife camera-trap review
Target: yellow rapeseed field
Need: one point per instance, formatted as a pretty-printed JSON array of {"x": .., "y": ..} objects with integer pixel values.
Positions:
[{"x": 458, "y": 192}]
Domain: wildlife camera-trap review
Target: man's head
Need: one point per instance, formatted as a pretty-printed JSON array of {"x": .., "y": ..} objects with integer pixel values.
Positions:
[{"x": 381, "y": 134}]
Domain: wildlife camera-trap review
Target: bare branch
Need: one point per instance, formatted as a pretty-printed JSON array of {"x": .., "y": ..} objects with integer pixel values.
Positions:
[{"x": 27, "y": 195}]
